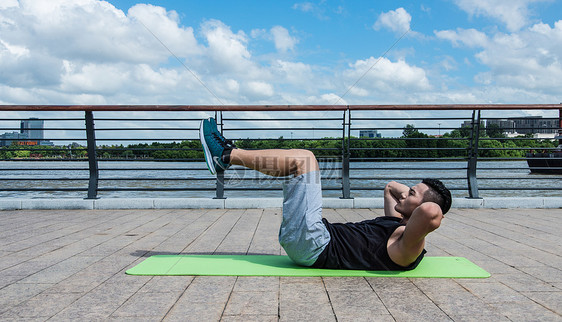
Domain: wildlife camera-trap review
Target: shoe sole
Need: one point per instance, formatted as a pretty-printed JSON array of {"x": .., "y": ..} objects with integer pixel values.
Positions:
[{"x": 208, "y": 155}]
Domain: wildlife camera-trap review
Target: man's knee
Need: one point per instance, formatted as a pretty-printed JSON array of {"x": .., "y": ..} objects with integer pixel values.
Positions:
[
  {"x": 303, "y": 154},
  {"x": 303, "y": 161}
]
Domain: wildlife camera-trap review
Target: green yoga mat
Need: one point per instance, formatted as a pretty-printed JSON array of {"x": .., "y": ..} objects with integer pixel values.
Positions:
[{"x": 272, "y": 265}]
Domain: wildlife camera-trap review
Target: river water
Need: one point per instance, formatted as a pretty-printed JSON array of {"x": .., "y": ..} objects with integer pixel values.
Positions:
[{"x": 508, "y": 176}]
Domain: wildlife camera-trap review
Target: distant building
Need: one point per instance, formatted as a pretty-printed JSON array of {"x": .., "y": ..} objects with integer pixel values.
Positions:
[
  {"x": 369, "y": 134},
  {"x": 6, "y": 139},
  {"x": 526, "y": 125},
  {"x": 31, "y": 133},
  {"x": 534, "y": 135},
  {"x": 469, "y": 124},
  {"x": 535, "y": 125},
  {"x": 505, "y": 125},
  {"x": 33, "y": 128}
]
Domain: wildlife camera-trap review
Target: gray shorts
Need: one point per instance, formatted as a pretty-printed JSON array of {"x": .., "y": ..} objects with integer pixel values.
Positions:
[{"x": 303, "y": 235}]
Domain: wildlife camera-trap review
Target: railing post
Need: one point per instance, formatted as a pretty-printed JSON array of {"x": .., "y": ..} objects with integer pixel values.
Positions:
[
  {"x": 473, "y": 156},
  {"x": 92, "y": 158},
  {"x": 219, "y": 191},
  {"x": 560, "y": 127},
  {"x": 220, "y": 185},
  {"x": 346, "y": 125}
]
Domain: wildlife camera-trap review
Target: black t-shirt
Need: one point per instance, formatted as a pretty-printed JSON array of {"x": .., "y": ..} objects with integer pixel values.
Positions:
[{"x": 361, "y": 245}]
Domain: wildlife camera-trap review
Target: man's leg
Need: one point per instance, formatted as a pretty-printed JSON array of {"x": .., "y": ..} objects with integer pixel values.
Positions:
[
  {"x": 302, "y": 233},
  {"x": 276, "y": 162},
  {"x": 220, "y": 153}
]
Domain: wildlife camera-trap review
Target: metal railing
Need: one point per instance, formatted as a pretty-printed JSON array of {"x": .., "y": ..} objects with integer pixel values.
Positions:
[{"x": 145, "y": 150}]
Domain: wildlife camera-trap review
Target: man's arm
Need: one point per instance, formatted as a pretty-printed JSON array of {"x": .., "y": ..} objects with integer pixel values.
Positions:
[
  {"x": 393, "y": 191},
  {"x": 406, "y": 243}
]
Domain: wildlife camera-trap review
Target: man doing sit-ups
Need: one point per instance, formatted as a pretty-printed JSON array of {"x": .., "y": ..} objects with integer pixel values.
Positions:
[{"x": 391, "y": 242}]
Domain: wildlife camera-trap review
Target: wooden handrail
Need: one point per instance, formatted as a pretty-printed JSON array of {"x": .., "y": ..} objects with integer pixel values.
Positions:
[{"x": 279, "y": 107}]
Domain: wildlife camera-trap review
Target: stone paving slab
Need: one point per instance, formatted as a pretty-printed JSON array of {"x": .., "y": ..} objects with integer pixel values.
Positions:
[{"x": 70, "y": 265}]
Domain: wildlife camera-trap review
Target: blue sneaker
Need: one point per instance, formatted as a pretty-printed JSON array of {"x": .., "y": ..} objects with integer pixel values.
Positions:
[
  {"x": 214, "y": 145},
  {"x": 229, "y": 145}
]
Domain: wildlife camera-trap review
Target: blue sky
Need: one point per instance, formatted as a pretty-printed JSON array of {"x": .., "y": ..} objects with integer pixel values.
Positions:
[
  {"x": 334, "y": 34},
  {"x": 280, "y": 52}
]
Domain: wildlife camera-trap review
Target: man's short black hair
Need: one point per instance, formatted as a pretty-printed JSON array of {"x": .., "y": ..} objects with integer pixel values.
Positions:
[{"x": 437, "y": 193}]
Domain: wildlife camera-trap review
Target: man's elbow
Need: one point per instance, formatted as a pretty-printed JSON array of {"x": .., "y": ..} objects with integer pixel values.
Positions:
[
  {"x": 389, "y": 185},
  {"x": 432, "y": 214}
]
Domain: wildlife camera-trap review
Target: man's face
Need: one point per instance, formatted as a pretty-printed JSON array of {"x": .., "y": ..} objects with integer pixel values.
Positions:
[{"x": 410, "y": 200}]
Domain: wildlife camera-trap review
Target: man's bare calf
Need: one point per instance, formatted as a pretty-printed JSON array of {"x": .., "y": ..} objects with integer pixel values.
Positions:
[{"x": 276, "y": 162}]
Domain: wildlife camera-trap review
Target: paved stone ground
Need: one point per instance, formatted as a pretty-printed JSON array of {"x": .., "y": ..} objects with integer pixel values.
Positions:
[{"x": 67, "y": 265}]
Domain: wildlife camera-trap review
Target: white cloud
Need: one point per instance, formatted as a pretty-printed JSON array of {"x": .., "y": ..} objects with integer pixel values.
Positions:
[
  {"x": 21, "y": 66},
  {"x": 317, "y": 9},
  {"x": 329, "y": 98},
  {"x": 396, "y": 20},
  {"x": 283, "y": 41},
  {"x": 358, "y": 91},
  {"x": 13, "y": 50},
  {"x": 467, "y": 37},
  {"x": 258, "y": 90},
  {"x": 320, "y": 99},
  {"x": 89, "y": 52},
  {"x": 165, "y": 26},
  {"x": 95, "y": 30},
  {"x": 304, "y": 6},
  {"x": 386, "y": 76},
  {"x": 9, "y": 94},
  {"x": 296, "y": 73},
  {"x": 280, "y": 36},
  {"x": 227, "y": 50},
  {"x": 523, "y": 61},
  {"x": 90, "y": 48},
  {"x": 513, "y": 13},
  {"x": 232, "y": 86},
  {"x": 527, "y": 60},
  {"x": 258, "y": 33},
  {"x": 530, "y": 59},
  {"x": 93, "y": 78},
  {"x": 448, "y": 63},
  {"x": 8, "y": 4},
  {"x": 159, "y": 81}
]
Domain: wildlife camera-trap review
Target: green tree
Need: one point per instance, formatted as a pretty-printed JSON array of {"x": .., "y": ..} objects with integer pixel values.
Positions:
[
  {"x": 22, "y": 153},
  {"x": 409, "y": 130},
  {"x": 494, "y": 131},
  {"x": 490, "y": 149},
  {"x": 128, "y": 154}
]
